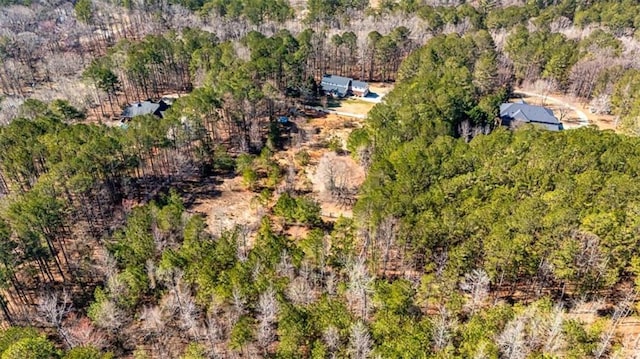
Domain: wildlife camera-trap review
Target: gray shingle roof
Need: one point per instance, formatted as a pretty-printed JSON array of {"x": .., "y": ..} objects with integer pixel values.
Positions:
[
  {"x": 337, "y": 81},
  {"x": 530, "y": 114},
  {"x": 359, "y": 84}
]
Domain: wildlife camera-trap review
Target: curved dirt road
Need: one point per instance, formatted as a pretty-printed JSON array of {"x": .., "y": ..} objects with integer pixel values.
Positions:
[{"x": 584, "y": 119}]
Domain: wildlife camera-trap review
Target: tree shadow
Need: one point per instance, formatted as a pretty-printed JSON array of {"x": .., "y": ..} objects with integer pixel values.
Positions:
[{"x": 194, "y": 191}]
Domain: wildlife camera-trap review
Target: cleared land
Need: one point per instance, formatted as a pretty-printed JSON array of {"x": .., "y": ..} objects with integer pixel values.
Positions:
[
  {"x": 230, "y": 203},
  {"x": 569, "y": 110}
]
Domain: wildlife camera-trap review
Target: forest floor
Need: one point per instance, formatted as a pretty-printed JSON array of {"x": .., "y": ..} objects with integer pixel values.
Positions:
[
  {"x": 324, "y": 160},
  {"x": 231, "y": 207},
  {"x": 570, "y": 110}
]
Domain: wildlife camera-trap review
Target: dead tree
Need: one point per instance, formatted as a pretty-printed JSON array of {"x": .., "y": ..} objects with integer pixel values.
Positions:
[
  {"x": 52, "y": 310},
  {"x": 360, "y": 342},
  {"x": 267, "y": 317},
  {"x": 359, "y": 289},
  {"x": 476, "y": 284},
  {"x": 331, "y": 338}
]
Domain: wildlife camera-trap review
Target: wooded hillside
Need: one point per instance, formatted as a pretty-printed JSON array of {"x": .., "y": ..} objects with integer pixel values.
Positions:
[{"x": 466, "y": 239}]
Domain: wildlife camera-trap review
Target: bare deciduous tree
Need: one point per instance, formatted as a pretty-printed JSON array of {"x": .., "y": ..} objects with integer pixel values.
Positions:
[
  {"x": 360, "y": 341},
  {"x": 109, "y": 316},
  {"x": 601, "y": 104},
  {"x": 81, "y": 332},
  {"x": 151, "y": 273},
  {"x": 443, "y": 326},
  {"x": 330, "y": 283},
  {"x": 267, "y": 317},
  {"x": 285, "y": 267},
  {"x": 239, "y": 303},
  {"x": 545, "y": 88},
  {"x": 299, "y": 291},
  {"x": 386, "y": 237},
  {"x": 336, "y": 175},
  {"x": 52, "y": 310},
  {"x": 364, "y": 155},
  {"x": 622, "y": 310},
  {"x": 331, "y": 338},
  {"x": 215, "y": 329},
  {"x": 189, "y": 317},
  {"x": 554, "y": 341},
  {"x": 154, "y": 326},
  {"x": 465, "y": 130},
  {"x": 359, "y": 289},
  {"x": 512, "y": 340},
  {"x": 476, "y": 284},
  {"x": 153, "y": 320}
]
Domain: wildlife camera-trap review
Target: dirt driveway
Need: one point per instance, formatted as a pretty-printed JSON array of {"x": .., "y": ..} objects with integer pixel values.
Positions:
[{"x": 570, "y": 111}]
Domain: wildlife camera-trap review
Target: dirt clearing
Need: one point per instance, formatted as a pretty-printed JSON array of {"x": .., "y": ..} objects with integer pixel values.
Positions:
[
  {"x": 325, "y": 163},
  {"x": 230, "y": 208},
  {"x": 229, "y": 204},
  {"x": 355, "y": 106},
  {"x": 569, "y": 110}
]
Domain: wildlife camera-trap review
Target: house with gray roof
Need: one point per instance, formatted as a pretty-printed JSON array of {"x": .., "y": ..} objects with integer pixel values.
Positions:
[
  {"x": 144, "y": 108},
  {"x": 339, "y": 86},
  {"x": 516, "y": 114}
]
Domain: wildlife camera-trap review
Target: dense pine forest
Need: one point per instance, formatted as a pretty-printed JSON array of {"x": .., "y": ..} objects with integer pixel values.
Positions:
[{"x": 424, "y": 230}]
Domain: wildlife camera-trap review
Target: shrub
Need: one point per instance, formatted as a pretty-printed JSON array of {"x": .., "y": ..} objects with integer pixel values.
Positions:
[
  {"x": 299, "y": 210},
  {"x": 303, "y": 158}
]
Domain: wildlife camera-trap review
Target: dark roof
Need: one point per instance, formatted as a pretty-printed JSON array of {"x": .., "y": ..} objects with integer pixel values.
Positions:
[
  {"x": 359, "y": 84},
  {"x": 144, "y": 108},
  {"x": 530, "y": 114}
]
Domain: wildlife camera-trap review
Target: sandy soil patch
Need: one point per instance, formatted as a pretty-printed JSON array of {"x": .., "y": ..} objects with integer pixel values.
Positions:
[
  {"x": 318, "y": 131},
  {"x": 380, "y": 88},
  {"x": 354, "y": 105},
  {"x": 233, "y": 206}
]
